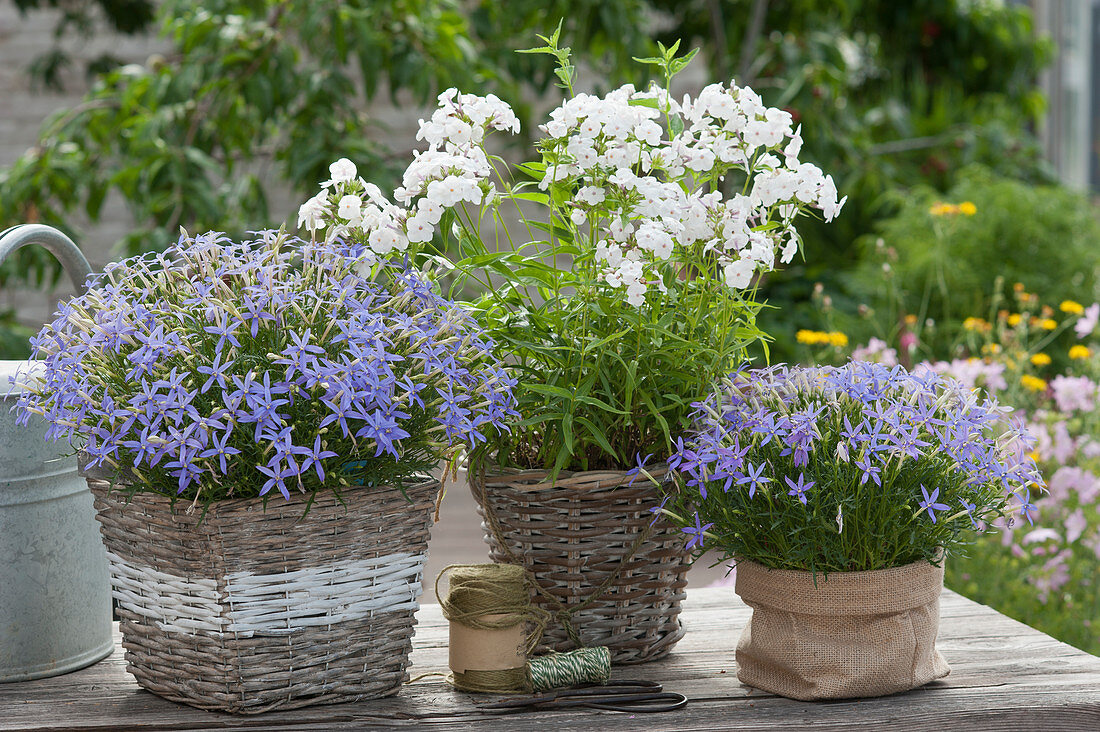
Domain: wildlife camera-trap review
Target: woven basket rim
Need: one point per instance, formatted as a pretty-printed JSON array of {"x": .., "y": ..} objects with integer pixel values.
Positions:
[
  {"x": 534, "y": 479},
  {"x": 230, "y": 505},
  {"x": 114, "y": 482}
]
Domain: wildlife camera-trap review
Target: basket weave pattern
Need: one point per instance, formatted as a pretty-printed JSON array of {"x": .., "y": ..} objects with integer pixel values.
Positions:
[
  {"x": 581, "y": 532},
  {"x": 253, "y": 609}
]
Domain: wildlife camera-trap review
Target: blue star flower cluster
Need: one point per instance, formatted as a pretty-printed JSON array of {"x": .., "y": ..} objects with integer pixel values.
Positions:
[
  {"x": 850, "y": 468},
  {"x": 221, "y": 369}
]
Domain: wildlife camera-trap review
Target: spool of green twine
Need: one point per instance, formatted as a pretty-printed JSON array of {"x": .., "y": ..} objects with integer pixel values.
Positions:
[{"x": 491, "y": 597}]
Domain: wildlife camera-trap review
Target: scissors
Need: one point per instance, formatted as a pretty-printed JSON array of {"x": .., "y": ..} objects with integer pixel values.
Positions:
[{"x": 617, "y": 696}]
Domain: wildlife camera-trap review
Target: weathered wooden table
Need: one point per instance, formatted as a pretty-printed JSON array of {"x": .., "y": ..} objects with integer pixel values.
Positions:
[{"x": 1004, "y": 675}]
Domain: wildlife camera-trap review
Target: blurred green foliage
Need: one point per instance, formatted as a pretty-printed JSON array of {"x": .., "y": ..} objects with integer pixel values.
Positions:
[
  {"x": 896, "y": 95},
  {"x": 258, "y": 89}
]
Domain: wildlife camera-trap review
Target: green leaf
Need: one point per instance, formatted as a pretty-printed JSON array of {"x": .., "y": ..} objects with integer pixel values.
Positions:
[
  {"x": 567, "y": 433},
  {"x": 550, "y": 390},
  {"x": 540, "y": 198},
  {"x": 598, "y": 436}
]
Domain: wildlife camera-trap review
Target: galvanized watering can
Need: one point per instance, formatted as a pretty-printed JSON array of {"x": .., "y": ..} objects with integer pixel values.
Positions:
[{"x": 55, "y": 606}]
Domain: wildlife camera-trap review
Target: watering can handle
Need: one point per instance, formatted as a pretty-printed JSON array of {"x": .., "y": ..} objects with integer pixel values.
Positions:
[{"x": 72, "y": 260}]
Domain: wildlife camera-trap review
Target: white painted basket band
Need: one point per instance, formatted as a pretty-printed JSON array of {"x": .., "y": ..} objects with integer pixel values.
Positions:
[{"x": 273, "y": 604}]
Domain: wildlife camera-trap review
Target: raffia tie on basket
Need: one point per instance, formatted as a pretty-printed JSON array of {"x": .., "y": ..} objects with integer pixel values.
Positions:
[
  {"x": 247, "y": 609},
  {"x": 565, "y": 613}
]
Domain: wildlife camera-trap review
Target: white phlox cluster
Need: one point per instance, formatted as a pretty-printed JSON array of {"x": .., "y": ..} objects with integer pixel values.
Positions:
[
  {"x": 651, "y": 198},
  {"x": 643, "y": 172},
  {"x": 347, "y": 205},
  {"x": 455, "y": 168}
]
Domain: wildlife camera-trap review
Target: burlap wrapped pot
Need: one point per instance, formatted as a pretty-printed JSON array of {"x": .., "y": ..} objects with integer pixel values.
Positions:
[{"x": 856, "y": 634}]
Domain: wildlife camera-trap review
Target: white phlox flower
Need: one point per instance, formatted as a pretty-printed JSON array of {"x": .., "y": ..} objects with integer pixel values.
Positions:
[
  {"x": 350, "y": 208},
  {"x": 739, "y": 273},
  {"x": 312, "y": 213},
  {"x": 342, "y": 171},
  {"x": 648, "y": 175}
]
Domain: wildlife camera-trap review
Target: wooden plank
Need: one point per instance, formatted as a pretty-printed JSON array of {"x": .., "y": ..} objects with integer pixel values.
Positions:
[{"x": 1005, "y": 675}]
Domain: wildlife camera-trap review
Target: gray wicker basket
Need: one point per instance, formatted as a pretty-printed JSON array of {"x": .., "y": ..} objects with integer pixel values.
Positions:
[
  {"x": 608, "y": 573},
  {"x": 252, "y": 610}
]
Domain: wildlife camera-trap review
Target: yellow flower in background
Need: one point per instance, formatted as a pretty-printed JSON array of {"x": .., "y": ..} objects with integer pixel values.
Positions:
[
  {"x": 1034, "y": 455},
  {"x": 1079, "y": 352},
  {"x": 820, "y": 338},
  {"x": 1018, "y": 286},
  {"x": 1071, "y": 307},
  {"x": 1014, "y": 319},
  {"x": 1034, "y": 383},
  {"x": 966, "y": 208},
  {"x": 910, "y": 319},
  {"x": 975, "y": 324},
  {"x": 993, "y": 348},
  {"x": 1048, "y": 324},
  {"x": 1040, "y": 359},
  {"x": 943, "y": 209}
]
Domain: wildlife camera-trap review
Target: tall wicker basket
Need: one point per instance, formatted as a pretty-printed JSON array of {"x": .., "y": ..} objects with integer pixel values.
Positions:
[
  {"x": 610, "y": 575},
  {"x": 250, "y": 610}
]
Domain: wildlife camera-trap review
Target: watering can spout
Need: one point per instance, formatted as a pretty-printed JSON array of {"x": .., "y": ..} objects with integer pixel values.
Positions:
[{"x": 72, "y": 259}]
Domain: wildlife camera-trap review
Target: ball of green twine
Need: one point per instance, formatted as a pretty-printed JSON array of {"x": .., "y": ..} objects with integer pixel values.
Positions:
[{"x": 572, "y": 668}]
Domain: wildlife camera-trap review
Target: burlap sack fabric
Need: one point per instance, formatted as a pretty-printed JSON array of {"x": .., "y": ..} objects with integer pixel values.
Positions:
[{"x": 858, "y": 634}]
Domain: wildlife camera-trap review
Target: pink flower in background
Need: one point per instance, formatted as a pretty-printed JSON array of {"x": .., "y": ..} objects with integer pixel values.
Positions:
[
  {"x": 729, "y": 580},
  {"x": 909, "y": 341},
  {"x": 1068, "y": 481},
  {"x": 970, "y": 372},
  {"x": 1089, "y": 448},
  {"x": 1064, "y": 444},
  {"x": 1075, "y": 525},
  {"x": 877, "y": 351},
  {"x": 1055, "y": 574},
  {"x": 1041, "y": 534},
  {"x": 1087, "y": 323},
  {"x": 1043, "y": 442},
  {"x": 1073, "y": 393}
]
